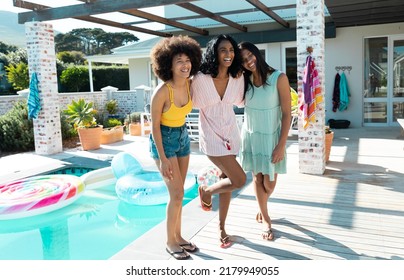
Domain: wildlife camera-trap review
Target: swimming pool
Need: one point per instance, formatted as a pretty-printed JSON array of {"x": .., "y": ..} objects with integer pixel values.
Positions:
[
  {"x": 95, "y": 227},
  {"x": 74, "y": 170}
]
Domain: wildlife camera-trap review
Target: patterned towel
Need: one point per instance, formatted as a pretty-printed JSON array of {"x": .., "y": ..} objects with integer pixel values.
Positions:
[
  {"x": 34, "y": 102},
  {"x": 312, "y": 92}
]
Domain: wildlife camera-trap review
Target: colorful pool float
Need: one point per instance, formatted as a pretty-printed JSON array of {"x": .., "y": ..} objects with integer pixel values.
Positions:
[{"x": 38, "y": 195}]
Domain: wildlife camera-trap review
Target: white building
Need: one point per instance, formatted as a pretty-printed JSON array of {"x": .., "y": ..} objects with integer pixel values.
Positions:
[{"x": 361, "y": 51}]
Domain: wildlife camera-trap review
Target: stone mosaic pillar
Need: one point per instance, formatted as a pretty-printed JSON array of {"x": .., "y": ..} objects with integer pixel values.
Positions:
[
  {"x": 310, "y": 33},
  {"x": 42, "y": 60}
]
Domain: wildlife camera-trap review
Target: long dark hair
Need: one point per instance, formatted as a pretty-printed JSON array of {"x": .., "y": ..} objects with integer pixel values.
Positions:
[
  {"x": 262, "y": 67},
  {"x": 210, "y": 64}
]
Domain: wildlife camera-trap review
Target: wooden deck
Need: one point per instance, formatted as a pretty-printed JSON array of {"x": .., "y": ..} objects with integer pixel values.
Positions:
[{"x": 355, "y": 211}]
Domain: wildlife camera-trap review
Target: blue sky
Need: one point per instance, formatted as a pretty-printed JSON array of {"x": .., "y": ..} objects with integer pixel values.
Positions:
[{"x": 67, "y": 25}]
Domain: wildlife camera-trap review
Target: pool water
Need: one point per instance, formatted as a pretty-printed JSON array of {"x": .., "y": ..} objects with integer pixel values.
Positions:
[
  {"x": 73, "y": 170},
  {"x": 95, "y": 227}
]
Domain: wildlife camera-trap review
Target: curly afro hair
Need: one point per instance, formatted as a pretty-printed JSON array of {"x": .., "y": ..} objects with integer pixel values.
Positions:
[
  {"x": 163, "y": 52},
  {"x": 210, "y": 64}
]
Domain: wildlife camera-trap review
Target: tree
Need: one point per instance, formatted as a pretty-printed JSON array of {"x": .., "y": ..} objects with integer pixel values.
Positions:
[
  {"x": 4, "y": 48},
  {"x": 74, "y": 57},
  {"x": 15, "y": 57},
  {"x": 73, "y": 78},
  {"x": 92, "y": 41},
  {"x": 68, "y": 42},
  {"x": 109, "y": 41},
  {"x": 18, "y": 75}
]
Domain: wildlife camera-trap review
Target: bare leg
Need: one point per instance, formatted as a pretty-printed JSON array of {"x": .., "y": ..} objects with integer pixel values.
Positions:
[
  {"x": 224, "y": 204},
  {"x": 263, "y": 189},
  {"x": 176, "y": 191},
  {"x": 183, "y": 163},
  {"x": 236, "y": 177},
  {"x": 233, "y": 178}
]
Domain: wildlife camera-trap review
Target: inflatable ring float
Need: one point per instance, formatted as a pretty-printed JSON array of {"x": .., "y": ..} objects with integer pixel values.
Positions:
[
  {"x": 141, "y": 187},
  {"x": 38, "y": 195}
]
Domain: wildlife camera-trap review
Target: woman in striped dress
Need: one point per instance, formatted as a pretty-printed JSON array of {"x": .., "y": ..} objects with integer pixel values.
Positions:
[{"x": 215, "y": 90}]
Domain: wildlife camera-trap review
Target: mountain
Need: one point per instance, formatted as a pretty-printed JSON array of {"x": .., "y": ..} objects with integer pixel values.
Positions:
[{"x": 11, "y": 32}]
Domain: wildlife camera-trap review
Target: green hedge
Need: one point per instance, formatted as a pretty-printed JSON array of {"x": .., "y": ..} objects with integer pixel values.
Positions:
[{"x": 75, "y": 78}]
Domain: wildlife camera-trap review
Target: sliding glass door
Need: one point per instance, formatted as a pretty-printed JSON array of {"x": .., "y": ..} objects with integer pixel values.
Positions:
[
  {"x": 397, "y": 100},
  {"x": 384, "y": 80}
]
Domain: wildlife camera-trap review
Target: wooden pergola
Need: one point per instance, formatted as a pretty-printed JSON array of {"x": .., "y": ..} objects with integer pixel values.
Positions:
[{"x": 343, "y": 13}]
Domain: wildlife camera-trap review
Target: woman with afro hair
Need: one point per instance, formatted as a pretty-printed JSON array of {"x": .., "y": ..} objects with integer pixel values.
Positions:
[{"x": 174, "y": 61}]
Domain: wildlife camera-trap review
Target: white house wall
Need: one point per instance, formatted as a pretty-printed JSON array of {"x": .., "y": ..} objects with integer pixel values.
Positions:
[
  {"x": 347, "y": 50},
  {"x": 139, "y": 72},
  {"x": 344, "y": 50}
]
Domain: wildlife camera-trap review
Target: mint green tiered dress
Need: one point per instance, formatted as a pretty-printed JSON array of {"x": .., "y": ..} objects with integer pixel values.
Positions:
[{"x": 261, "y": 129}]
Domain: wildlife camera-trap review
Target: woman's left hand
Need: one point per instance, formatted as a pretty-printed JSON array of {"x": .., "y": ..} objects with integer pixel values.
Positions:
[{"x": 278, "y": 154}]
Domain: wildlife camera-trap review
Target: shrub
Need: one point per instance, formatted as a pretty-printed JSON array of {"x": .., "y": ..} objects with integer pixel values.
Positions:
[
  {"x": 74, "y": 78},
  {"x": 116, "y": 76},
  {"x": 111, "y": 106},
  {"x": 18, "y": 75},
  {"x": 112, "y": 123},
  {"x": 134, "y": 117},
  {"x": 68, "y": 131},
  {"x": 16, "y": 130},
  {"x": 74, "y": 57},
  {"x": 81, "y": 114}
]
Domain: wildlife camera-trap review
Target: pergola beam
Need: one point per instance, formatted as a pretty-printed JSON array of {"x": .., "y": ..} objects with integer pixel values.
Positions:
[
  {"x": 148, "y": 16},
  {"x": 38, "y": 7},
  {"x": 259, "y": 5},
  {"x": 91, "y": 8},
  {"x": 211, "y": 15}
]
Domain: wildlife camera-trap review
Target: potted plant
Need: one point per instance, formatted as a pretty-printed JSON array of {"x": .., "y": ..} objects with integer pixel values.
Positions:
[
  {"x": 81, "y": 114},
  {"x": 112, "y": 131},
  {"x": 329, "y": 136},
  {"x": 111, "y": 106},
  {"x": 134, "y": 125}
]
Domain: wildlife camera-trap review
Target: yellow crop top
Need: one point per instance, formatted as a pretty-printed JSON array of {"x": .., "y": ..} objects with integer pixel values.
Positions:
[{"x": 175, "y": 116}]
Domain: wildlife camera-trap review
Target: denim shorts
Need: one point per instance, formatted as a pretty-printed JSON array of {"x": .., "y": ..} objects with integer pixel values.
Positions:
[{"x": 176, "y": 142}]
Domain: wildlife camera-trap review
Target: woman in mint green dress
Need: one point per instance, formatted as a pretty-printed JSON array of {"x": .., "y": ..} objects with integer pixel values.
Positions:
[{"x": 267, "y": 117}]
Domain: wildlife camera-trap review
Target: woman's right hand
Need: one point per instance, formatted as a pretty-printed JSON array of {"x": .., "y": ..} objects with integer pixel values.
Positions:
[{"x": 166, "y": 169}]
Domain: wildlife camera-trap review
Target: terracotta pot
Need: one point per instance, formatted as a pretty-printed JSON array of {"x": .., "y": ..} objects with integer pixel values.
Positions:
[
  {"x": 135, "y": 129},
  {"x": 147, "y": 128},
  {"x": 328, "y": 143},
  {"x": 90, "y": 138},
  {"x": 112, "y": 135}
]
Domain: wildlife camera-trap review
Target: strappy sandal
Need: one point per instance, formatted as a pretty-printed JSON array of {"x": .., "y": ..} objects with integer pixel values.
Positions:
[
  {"x": 205, "y": 206},
  {"x": 266, "y": 234},
  {"x": 189, "y": 247},
  {"x": 225, "y": 242},
  {"x": 179, "y": 255}
]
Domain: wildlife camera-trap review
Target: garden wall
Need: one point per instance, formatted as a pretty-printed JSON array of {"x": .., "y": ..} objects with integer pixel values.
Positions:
[{"x": 128, "y": 100}]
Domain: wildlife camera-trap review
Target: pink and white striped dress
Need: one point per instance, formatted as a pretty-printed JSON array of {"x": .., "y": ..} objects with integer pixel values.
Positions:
[{"x": 217, "y": 120}]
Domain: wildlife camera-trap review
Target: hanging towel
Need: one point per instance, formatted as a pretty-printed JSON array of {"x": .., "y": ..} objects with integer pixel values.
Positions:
[
  {"x": 311, "y": 91},
  {"x": 34, "y": 102},
  {"x": 336, "y": 93},
  {"x": 344, "y": 93}
]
